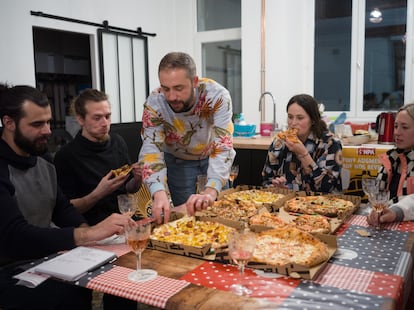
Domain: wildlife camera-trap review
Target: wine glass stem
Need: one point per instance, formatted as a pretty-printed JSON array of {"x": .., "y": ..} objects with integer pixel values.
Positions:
[
  {"x": 139, "y": 261},
  {"x": 241, "y": 270}
]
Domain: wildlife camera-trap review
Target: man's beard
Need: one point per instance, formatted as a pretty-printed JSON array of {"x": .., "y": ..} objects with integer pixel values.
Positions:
[
  {"x": 187, "y": 105},
  {"x": 31, "y": 147}
]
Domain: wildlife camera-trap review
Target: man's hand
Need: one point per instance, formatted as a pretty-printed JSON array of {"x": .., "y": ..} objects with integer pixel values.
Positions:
[
  {"x": 109, "y": 184},
  {"x": 161, "y": 207},
  {"x": 198, "y": 202},
  {"x": 113, "y": 224}
]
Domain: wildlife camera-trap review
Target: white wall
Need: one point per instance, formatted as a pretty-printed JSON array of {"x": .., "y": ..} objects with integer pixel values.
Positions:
[
  {"x": 288, "y": 59},
  {"x": 154, "y": 16},
  {"x": 289, "y": 40}
]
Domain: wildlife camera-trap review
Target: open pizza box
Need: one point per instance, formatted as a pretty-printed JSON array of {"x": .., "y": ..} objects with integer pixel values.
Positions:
[
  {"x": 179, "y": 249},
  {"x": 203, "y": 252},
  {"x": 273, "y": 206},
  {"x": 299, "y": 271},
  {"x": 356, "y": 200},
  {"x": 292, "y": 270}
]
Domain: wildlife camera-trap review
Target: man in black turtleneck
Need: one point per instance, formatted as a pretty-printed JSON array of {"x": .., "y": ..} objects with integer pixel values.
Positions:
[{"x": 84, "y": 167}]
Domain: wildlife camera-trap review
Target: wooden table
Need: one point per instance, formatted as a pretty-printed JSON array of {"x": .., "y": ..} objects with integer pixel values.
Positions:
[
  {"x": 192, "y": 296},
  {"x": 374, "y": 272}
]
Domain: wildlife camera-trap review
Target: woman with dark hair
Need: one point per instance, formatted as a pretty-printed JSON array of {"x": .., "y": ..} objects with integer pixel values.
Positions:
[{"x": 312, "y": 162}]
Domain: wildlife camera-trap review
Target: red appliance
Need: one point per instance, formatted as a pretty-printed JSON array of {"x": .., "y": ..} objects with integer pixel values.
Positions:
[{"x": 385, "y": 127}]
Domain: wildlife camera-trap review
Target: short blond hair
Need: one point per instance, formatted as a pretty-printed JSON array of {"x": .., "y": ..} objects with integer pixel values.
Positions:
[{"x": 409, "y": 107}]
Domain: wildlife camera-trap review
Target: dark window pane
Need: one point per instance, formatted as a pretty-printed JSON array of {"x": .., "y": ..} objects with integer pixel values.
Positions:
[
  {"x": 332, "y": 71},
  {"x": 222, "y": 63},
  {"x": 384, "y": 67}
]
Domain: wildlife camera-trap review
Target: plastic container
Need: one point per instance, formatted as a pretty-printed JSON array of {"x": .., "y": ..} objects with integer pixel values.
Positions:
[{"x": 244, "y": 130}]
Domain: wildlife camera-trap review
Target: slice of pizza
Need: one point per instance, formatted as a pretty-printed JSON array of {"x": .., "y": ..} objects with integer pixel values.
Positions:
[
  {"x": 267, "y": 219},
  {"x": 313, "y": 223},
  {"x": 122, "y": 171},
  {"x": 290, "y": 134}
]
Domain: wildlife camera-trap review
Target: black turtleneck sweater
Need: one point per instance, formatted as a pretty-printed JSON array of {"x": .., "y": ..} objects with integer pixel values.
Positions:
[
  {"x": 80, "y": 166},
  {"x": 29, "y": 201}
]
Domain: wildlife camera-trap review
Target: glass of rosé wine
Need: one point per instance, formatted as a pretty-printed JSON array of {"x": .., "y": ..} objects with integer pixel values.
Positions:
[
  {"x": 241, "y": 246},
  {"x": 379, "y": 201},
  {"x": 137, "y": 236}
]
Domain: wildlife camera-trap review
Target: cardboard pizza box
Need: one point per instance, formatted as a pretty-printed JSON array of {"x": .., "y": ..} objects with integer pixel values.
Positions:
[
  {"x": 273, "y": 206},
  {"x": 292, "y": 270},
  {"x": 179, "y": 249},
  {"x": 356, "y": 200},
  {"x": 203, "y": 252}
]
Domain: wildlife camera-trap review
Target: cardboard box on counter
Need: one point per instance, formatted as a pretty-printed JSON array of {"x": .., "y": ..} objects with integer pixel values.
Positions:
[{"x": 358, "y": 161}]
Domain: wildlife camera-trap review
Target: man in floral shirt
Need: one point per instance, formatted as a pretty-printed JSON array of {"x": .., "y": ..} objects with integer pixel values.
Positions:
[{"x": 187, "y": 131}]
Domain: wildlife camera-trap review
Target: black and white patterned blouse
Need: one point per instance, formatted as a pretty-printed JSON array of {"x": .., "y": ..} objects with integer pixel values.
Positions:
[{"x": 322, "y": 176}]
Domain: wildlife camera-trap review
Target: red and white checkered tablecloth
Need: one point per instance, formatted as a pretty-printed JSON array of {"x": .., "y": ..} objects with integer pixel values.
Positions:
[{"x": 154, "y": 292}]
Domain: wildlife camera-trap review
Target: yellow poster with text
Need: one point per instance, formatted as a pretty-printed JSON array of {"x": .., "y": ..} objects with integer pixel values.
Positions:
[{"x": 358, "y": 161}]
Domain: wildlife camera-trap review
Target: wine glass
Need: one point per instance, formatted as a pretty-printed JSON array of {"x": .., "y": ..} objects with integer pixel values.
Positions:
[
  {"x": 137, "y": 236},
  {"x": 379, "y": 201},
  {"x": 127, "y": 204},
  {"x": 234, "y": 172},
  {"x": 241, "y": 247},
  {"x": 369, "y": 186}
]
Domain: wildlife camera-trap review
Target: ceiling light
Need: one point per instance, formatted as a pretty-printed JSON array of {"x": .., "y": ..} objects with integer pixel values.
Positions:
[{"x": 375, "y": 16}]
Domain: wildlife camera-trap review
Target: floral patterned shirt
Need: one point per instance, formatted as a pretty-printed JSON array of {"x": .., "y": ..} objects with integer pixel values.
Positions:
[
  {"x": 204, "y": 131},
  {"x": 324, "y": 176}
]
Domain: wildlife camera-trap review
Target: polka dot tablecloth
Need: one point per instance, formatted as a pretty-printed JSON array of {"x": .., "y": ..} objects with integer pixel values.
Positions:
[{"x": 365, "y": 273}]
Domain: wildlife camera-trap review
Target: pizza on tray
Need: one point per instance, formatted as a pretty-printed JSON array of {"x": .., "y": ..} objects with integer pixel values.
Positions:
[
  {"x": 329, "y": 206},
  {"x": 188, "y": 231},
  {"x": 257, "y": 196},
  {"x": 231, "y": 210},
  {"x": 290, "y": 134},
  {"x": 313, "y": 224},
  {"x": 267, "y": 219},
  {"x": 122, "y": 171},
  {"x": 289, "y": 245}
]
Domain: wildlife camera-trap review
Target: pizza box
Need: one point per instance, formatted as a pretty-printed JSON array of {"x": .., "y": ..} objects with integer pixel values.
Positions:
[
  {"x": 299, "y": 271},
  {"x": 292, "y": 270},
  {"x": 272, "y": 207},
  {"x": 180, "y": 249},
  {"x": 203, "y": 252}
]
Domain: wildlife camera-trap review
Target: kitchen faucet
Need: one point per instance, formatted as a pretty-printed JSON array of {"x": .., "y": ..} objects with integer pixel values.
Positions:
[{"x": 262, "y": 114}]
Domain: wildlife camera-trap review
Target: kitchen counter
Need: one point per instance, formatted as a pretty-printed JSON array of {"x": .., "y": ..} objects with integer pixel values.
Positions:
[
  {"x": 356, "y": 160},
  {"x": 252, "y": 143}
]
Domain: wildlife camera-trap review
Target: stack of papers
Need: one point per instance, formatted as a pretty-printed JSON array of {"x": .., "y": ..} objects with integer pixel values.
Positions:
[{"x": 74, "y": 264}]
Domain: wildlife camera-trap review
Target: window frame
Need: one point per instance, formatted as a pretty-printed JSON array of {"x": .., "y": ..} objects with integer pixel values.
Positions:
[{"x": 356, "y": 111}]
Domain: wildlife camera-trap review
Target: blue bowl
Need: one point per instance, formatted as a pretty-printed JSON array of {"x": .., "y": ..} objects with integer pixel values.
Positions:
[{"x": 244, "y": 130}]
